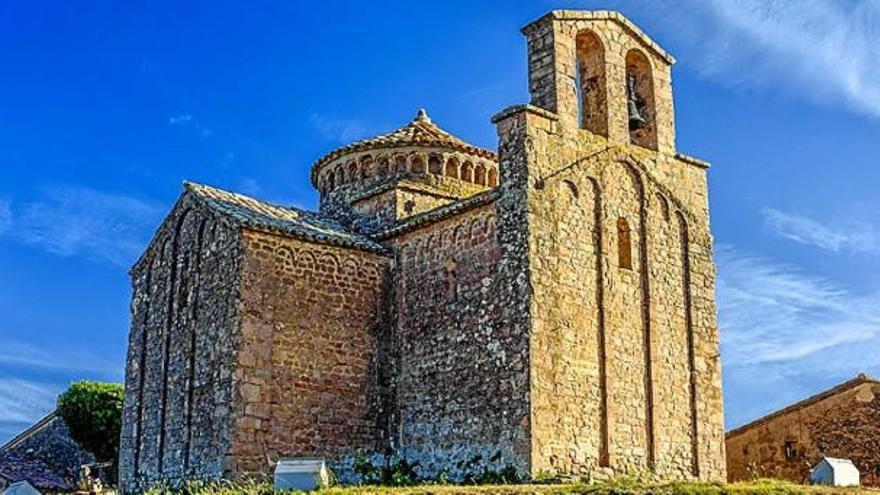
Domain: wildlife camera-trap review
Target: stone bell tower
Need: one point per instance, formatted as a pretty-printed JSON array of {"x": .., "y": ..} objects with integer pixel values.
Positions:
[{"x": 605, "y": 227}]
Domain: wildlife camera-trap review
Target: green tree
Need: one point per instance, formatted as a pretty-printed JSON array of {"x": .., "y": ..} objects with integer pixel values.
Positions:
[{"x": 93, "y": 413}]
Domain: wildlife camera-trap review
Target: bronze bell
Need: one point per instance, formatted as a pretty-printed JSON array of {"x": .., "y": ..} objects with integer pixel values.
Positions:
[{"x": 636, "y": 121}]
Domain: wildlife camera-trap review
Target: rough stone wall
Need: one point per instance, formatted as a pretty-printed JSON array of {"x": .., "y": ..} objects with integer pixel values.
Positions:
[
  {"x": 843, "y": 425},
  {"x": 461, "y": 370},
  {"x": 177, "y": 417},
  {"x": 309, "y": 381},
  {"x": 400, "y": 196},
  {"x": 50, "y": 443},
  {"x": 617, "y": 344}
]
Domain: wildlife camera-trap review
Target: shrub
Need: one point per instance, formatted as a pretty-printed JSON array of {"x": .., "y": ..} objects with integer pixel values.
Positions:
[{"x": 93, "y": 414}]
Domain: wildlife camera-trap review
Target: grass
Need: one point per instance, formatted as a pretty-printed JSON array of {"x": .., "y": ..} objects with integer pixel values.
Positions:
[{"x": 623, "y": 486}]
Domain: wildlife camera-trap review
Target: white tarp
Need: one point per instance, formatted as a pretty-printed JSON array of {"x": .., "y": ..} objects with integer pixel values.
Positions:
[
  {"x": 21, "y": 488},
  {"x": 834, "y": 471}
]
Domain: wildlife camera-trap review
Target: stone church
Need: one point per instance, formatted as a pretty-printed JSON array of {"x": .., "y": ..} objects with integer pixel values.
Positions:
[{"x": 549, "y": 305}]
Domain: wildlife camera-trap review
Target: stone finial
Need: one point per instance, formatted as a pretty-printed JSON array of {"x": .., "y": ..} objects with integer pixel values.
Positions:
[{"x": 422, "y": 116}]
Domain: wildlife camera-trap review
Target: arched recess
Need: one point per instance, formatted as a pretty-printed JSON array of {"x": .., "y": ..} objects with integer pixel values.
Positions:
[
  {"x": 435, "y": 165},
  {"x": 400, "y": 163},
  {"x": 480, "y": 174},
  {"x": 640, "y": 100},
  {"x": 353, "y": 173},
  {"x": 467, "y": 171},
  {"x": 366, "y": 167},
  {"x": 493, "y": 177},
  {"x": 591, "y": 86},
  {"x": 340, "y": 176},
  {"x": 451, "y": 167},
  {"x": 684, "y": 240},
  {"x": 417, "y": 165},
  {"x": 382, "y": 167}
]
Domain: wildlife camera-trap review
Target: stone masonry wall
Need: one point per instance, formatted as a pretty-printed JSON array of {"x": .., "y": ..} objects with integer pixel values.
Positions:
[
  {"x": 845, "y": 425},
  {"x": 178, "y": 387},
  {"x": 624, "y": 355},
  {"x": 309, "y": 380},
  {"x": 461, "y": 379}
]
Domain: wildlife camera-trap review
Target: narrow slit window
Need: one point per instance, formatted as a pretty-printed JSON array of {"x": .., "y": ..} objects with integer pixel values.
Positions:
[{"x": 624, "y": 244}]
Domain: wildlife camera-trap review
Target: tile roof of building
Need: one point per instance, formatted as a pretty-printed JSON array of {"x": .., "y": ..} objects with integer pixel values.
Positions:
[
  {"x": 861, "y": 379},
  {"x": 260, "y": 215},
  {"x": 421, "y": 131},
  {"x": 43, "y": 455}
]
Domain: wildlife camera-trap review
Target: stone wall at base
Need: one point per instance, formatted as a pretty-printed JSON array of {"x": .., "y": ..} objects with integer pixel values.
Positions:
[
  {"x": 177, "y": 413},
  {"x": 461, "y": 372}
]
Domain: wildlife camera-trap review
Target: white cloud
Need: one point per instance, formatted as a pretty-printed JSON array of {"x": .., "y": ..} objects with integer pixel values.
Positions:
[
  {"x": 822, "y": 50},
  {"x": 187, "y": 120},
  {"x": 5, "y": 215},
  {"x": 79, "y": 221},
  {"x": 850, "y": 236},
  {"x": 341, "y": 130},
  {"x": 786, "y": 334},
  {"x": 23, "y": 401}
]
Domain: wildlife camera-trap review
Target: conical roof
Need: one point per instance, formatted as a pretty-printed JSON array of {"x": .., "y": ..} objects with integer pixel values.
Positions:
[{"x": 421, "y": 131}]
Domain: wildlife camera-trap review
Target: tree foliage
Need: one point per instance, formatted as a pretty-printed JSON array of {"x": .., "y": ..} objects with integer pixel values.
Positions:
[{"x": 93, "y": 413}]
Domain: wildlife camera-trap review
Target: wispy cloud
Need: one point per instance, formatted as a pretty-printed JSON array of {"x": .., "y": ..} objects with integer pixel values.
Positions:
[
  {"x": 79, "y": 221},
  {"x": 5, "y": 214},
  {"x": 782, "y": 326},
  {"x": 23, "y": 401},
  {"x": 188, "y": 121},
  {"x": 822, "y": 50},
  {"x": 845, "y": 236},
  {"x": 17, "y": 354},
  {"x": 341, "y": 130}
]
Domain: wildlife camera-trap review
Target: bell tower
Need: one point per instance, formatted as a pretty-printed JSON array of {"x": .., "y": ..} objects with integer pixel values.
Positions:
[
  {"x": 604, "y": 228},
  {"x": 599, "y": 72}
]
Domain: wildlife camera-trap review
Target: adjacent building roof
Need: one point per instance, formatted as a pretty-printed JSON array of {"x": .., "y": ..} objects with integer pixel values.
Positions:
[
  {"x": 861, "y": 379},
  {"x": 260, "y": 215},
  {"x": 44, "y": 455},
  {"x": 421, "y": 131}
]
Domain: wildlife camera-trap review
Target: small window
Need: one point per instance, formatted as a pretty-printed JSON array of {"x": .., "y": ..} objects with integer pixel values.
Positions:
[
  {"x": 451, "y": 282},
  {"x": 624, "y": 244},
  {"x": 790, "y": 450}
]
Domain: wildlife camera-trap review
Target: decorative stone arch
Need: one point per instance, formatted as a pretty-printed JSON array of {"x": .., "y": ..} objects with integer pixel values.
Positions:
[
  {"x": 467, "y": 171},
  {"x": 328, "y": 262},
  {"x": 480, "y": 174},
  {"x": 662, "y": 205},
  {"x": 590, "y": 82},
  {"x": 352, "y": 171},
  {"x": 435, "y": 164},
  {"x": 382, "y": 166},
  {"x": 366, "y": 167},
  {"x": 492, "y": 180},
  {"x": 417, "y": 163},
  {"x": 340, "y": 176},
  {"x": 400, "y": 163},
  {"x": 452, "y": 167},
  {"x": 640, "y": 90}
]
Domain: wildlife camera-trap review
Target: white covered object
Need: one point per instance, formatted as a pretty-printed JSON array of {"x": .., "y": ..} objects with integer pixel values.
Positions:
[
  {"x": 835, "y": 472},
  {"x": 301, "y": 474},
  {"x": 21, "y": 488}
]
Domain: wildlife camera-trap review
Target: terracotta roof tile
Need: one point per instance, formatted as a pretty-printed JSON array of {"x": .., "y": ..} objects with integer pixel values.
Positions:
[
  {"x": 260, "y": 215},
  {"x": 420, "y": 132}
]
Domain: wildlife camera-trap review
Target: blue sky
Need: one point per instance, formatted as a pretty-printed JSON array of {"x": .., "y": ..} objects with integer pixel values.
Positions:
[{"x": 108, "y": 106}]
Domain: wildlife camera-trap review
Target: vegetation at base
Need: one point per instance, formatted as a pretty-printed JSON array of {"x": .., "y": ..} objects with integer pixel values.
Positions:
[
  {"x": 396, "y": 471},
  {"x": 621, "y": 486},
  {"x": 93, "y": 414}
]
